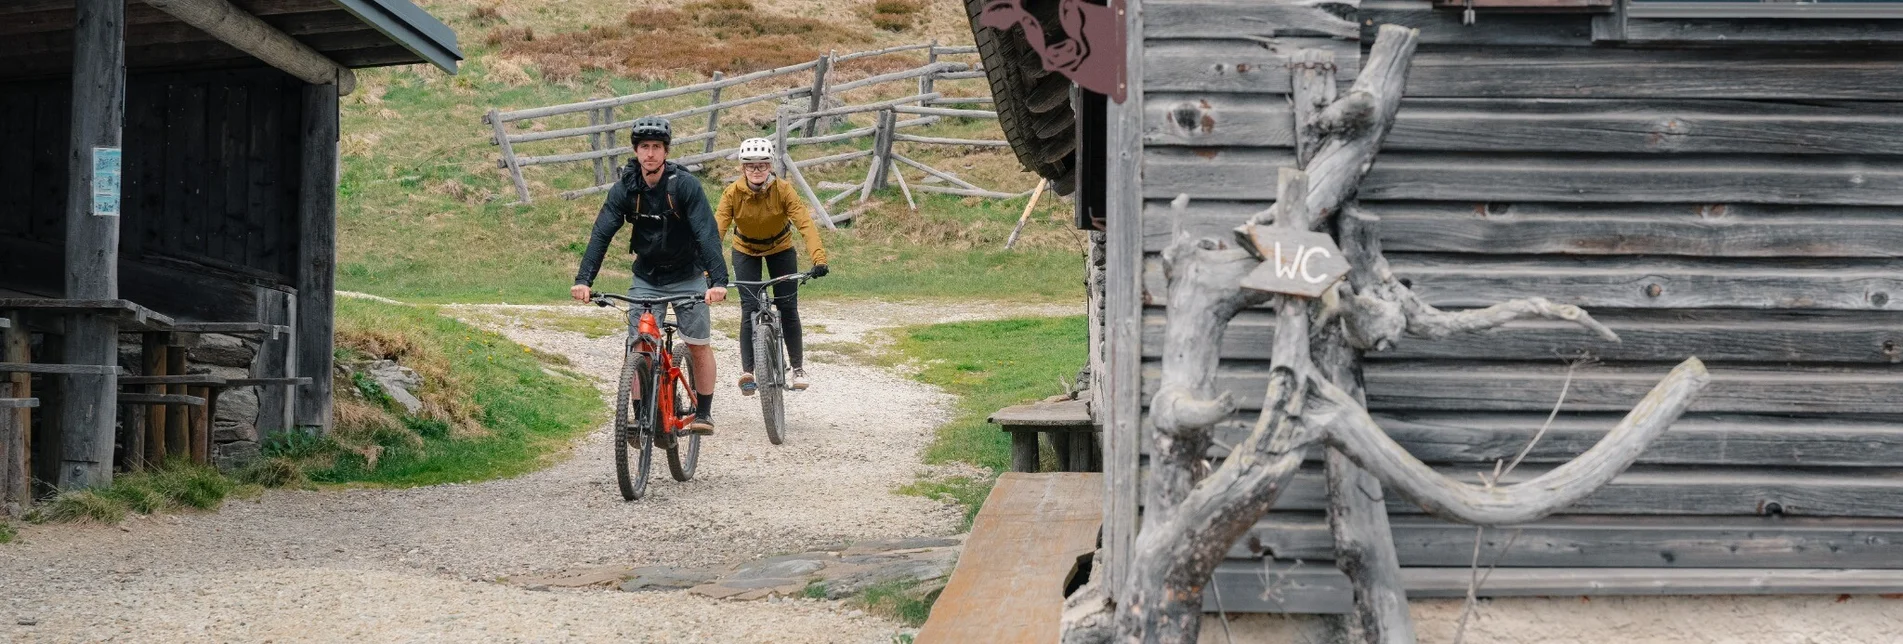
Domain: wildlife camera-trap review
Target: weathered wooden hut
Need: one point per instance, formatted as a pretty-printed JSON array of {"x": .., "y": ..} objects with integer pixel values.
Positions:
[
  {"x": 170, "y": 169},
  {"x": 1712, "y": 179}
]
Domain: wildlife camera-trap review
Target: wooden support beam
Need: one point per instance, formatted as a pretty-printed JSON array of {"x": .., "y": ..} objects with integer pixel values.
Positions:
[
  {"x": 16, "y": 487},
  {"x": 86, "y": 427},
  {"x": 317, "y": 256},
  {"x": 253, "y": 36}
]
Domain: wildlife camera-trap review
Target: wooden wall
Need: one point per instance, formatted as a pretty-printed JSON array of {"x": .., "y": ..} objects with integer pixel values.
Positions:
[
  {"x": 1742, "y": 203},
  {"x": 210, "y": 187}
]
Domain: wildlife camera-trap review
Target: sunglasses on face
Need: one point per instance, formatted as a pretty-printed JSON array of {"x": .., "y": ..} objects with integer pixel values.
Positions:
[{"x": 757, "y": 167}]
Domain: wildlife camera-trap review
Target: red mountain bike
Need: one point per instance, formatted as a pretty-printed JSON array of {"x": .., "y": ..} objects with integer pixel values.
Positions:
[{"x": 655, "y": 400}]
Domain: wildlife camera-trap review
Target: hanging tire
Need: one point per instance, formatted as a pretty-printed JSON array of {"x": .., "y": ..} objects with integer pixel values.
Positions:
[
  {"x": 1033, "y": 104},
  {"x": 767, "y": 359},
  {"x": 631, "y": 439},
  {"x": 682, "y": 459}
]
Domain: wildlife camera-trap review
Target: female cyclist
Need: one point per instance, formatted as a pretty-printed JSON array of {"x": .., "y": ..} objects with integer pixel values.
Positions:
[{"x": 762, "y": 210}]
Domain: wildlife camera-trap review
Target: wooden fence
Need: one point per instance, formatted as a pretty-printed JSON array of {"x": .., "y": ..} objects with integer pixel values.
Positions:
[{"x": 605, "y": 154}]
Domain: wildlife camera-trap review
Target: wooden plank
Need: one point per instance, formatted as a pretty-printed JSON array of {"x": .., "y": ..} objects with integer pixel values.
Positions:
[
  {"x": 1479, "y": 439},
  {"x": 177, "y": 418},
  {"x": 317, "y": 255},
  {"x": 1236, "y": 65},
  {"x": 1023, "y": 548},
  {"x": 1591, "y": 72},
  {"x": 1296, "y": 587},
  {"x": 1524, "y": 387},
  {"x": 1069, "y": 412},
  {"x": 1761, "y": 30},
  {"x": 153, "y": 353},
  {"x": 1852, "y": 337},
  {"x": 1590, "y": 541},
  {"x": 1611, "y": 282},
  {"x": 86, "y": 419},
  {"x": 583, "y": 106},
  {"x": 17, "y": 403},
  {"x": 1629, "y": 126},
  {"x": 1119, "y": 384},
  {"x": 1209, "y": 120},
  {"x": 1233, "y": 18},
  {"x": 1214, "y": 172},
  {"x": 1680, "y": 491},
  {"x": 1443, "y": 27},
  {"x": 1705, "y": 230},
  {"x": 266, "y": 382},
  {"x": 160, "y": 399},
  {"x": 16, "y": 470},
  {"x": 182, "y": 379},
  {"x": 1235, "y": 173}
]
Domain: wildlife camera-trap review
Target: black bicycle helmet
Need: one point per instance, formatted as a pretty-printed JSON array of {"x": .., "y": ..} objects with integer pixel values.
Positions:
[{"x": 651, "y": 128}]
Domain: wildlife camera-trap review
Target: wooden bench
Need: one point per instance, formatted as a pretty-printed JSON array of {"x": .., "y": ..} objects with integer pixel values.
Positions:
[
  {"x": 1068, "y": 425},
  {"x": 1023, "y": 552}
]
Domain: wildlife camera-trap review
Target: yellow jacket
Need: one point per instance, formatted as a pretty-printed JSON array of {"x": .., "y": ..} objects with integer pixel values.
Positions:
[{"x": 762, "y": 221}]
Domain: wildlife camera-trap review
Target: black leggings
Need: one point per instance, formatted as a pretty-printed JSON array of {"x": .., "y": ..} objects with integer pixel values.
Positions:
[{"x": 746, "y": 268}]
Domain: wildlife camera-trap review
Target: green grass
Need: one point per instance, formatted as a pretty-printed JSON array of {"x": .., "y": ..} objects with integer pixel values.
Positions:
[
  {"x": 524, "y": 414},
  {"x": 167, "y": 488},
  {"x": 989, "y": 365},
  {"x": 424, "y": 216},
  {"x": 900, "y": 601},
  {"x": 7, "y": 532}
]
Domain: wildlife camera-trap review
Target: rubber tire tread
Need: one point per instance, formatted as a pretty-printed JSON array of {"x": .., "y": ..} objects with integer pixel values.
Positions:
[
  {"x": 772, "y": 402},
  {"x": 634, "y": 372},
  {"x": 680, "y": 466},
  {"x": 1033, "y": 104}
]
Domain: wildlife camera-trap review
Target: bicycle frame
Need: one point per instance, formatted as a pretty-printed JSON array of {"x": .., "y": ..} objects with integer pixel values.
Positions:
[
  {"x": 654, "y": 339},
  {"x": 768, "y": 315}
]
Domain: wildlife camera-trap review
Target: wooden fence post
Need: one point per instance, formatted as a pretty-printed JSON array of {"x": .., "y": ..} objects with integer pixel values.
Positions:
[
  {"x": 793, "y": 170},
  {"x": 86, "y": 423},
  {"x": 818, "y": 96},
  {"x": 713, "y": 118},
  {"x": 16, "y": 475},
  {"x": 931, "y": 57},
  {"x": 508, "y": 156},
  {"x": 594, "y": 145},
  {"x": 882, "y": 148},
  {"x": 614, "y": 160}
]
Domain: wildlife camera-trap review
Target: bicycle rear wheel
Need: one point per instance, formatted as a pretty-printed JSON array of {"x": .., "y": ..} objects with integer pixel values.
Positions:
[
  {"x": 681, "y": 460},
  {"x": 632, "y": 426},
  {"x": 769, "y": 365}
]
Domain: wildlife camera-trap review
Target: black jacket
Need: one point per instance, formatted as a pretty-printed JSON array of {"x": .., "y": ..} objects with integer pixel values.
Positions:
[{"x": 674, "y": 236}]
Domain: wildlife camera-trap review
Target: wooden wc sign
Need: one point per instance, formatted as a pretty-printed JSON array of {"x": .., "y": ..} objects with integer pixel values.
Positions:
[{"x": 1295, "y": 262}]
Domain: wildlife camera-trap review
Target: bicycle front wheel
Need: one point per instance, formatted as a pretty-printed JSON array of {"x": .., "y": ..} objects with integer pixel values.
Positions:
[
  {"x": 681, "y": 459},
  {"x": 768, "y": 361},
  {"x": 634, "y": 441}
]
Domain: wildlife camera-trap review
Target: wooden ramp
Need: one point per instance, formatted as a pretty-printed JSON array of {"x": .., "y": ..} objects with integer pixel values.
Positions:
[{"x": 1009, "y": 583}]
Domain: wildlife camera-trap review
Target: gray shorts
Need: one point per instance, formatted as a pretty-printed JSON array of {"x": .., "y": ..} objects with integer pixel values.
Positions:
[{"x": 696, "y": 326}]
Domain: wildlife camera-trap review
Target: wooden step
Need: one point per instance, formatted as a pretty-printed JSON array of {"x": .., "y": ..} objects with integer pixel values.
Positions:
[{"x": 1022, "y": 552}]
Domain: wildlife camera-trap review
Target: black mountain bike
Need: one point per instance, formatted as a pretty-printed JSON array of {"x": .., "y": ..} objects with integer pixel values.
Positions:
[
  {"x": 769, "y": 354},
  {"x": 664, "y": 405}
]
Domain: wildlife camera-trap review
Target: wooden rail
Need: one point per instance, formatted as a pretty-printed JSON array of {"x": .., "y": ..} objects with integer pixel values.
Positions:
[{"x": 605, "y": 154}]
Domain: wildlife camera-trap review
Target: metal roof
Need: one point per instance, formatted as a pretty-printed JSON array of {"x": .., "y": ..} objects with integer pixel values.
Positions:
[{"x": 410, "y": 26}]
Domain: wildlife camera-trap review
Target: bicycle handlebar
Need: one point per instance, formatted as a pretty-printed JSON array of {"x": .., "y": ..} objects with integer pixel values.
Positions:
[
  {"x": 783, "y": 278},
  {"x": 601, "y": 299}
]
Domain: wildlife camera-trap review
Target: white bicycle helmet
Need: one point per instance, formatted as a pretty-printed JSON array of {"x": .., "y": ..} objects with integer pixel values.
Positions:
[{"x": 756, "y": 149}]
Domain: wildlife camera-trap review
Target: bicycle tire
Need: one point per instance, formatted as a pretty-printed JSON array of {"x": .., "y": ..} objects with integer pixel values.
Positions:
[
  {"x": 681, "y": 465},
  {"x": 767, "y": 360},
  {"x": 636, "y": 371}
]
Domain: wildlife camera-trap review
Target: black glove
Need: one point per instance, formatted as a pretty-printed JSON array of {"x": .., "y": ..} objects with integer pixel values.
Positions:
[{"x": 819, "y": 270}]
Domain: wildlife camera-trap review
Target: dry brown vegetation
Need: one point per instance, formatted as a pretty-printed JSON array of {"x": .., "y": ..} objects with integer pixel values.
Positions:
[
  {"x": 894, "y": 15},
  {"x": 731, "y": 36},
  {"x": 446, "y": 396}
]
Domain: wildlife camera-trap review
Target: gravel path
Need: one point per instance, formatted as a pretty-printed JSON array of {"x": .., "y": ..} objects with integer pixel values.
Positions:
[{"x": 419, "y": 564}]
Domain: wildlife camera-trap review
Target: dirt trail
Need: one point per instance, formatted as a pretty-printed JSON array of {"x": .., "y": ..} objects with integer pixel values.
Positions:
[{"x": 419, "y": 564}]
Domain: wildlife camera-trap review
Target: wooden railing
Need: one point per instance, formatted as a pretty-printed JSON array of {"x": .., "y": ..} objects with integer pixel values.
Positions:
[{"x": 603, "y": 125}]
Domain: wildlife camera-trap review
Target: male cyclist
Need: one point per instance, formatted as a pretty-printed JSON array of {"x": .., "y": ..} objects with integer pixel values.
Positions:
[
  {"x": 676, "y": 248},
  {"x": 762, "y": 211}
]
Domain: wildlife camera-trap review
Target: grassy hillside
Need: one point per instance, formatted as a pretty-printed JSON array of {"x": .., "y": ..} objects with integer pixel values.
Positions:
[{"x": 425, "y": 215}]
